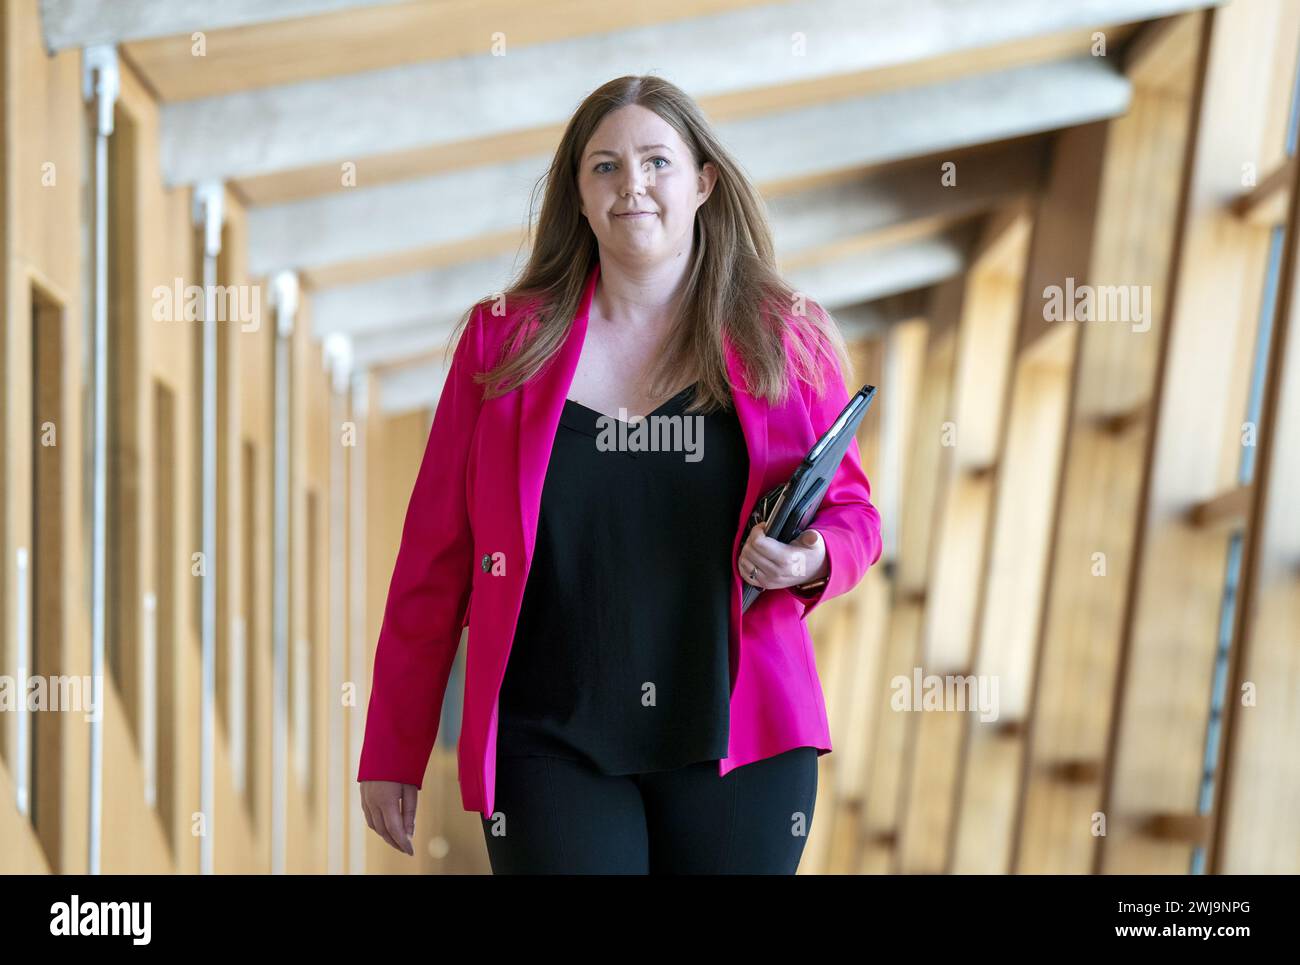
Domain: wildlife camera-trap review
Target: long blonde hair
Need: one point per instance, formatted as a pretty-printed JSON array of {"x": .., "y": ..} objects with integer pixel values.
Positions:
[{"x": 732, "y": 283}]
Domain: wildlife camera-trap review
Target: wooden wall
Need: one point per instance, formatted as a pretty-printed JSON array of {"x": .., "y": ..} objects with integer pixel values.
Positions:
[{"x": 155, "y": 484}]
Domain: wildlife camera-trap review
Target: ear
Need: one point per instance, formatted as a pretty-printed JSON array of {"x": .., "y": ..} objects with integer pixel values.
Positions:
[{"x": 705, "y": 181}]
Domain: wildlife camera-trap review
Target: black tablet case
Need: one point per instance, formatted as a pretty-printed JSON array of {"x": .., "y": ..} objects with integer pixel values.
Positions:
[{"x": 789, "y": 508}]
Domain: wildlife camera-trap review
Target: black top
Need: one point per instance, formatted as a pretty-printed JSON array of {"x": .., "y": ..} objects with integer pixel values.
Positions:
[{"x": 620, "y": 657}]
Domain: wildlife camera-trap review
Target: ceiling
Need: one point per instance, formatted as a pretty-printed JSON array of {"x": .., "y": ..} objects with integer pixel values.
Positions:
[{"x": 445, "y": 113}]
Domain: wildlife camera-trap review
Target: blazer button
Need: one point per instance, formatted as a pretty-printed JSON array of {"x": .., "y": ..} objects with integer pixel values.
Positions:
[{"x": 487, "y": 562}]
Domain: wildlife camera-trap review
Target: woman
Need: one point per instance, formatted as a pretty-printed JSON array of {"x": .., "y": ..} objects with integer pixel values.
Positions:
[{"x": 620, "y": 715}]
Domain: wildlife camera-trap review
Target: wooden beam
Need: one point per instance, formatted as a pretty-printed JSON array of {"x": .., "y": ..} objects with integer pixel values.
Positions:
[
  {"x": 1228, "y": 510},
  {"x": 1265, "y": 204},
  {"x": 1079, "y": 771},
  {"x": 1179, "y": 828}
]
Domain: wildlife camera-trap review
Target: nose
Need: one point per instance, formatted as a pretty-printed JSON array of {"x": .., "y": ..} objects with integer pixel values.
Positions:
[{"x": 635, "y": 180}]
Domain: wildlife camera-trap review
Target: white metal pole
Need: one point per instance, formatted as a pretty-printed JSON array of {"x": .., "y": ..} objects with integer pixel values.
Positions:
[
  {"x": 338, "y": 357},
  {"x": 284, "y": 296},
  {"x": 208, "y": 214},
  {"x": 99, "y": 82},
  {"x": 357, "y": 611}
]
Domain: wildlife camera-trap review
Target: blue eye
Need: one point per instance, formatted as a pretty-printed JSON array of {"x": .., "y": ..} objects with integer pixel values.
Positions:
[{"x": 657, "y": 157}]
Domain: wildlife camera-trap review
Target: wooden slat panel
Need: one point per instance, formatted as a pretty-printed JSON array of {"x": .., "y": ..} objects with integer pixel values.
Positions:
[
  {"x": 848, "y": 661},
  {"x": 990, "y": 319},
  {"x": 921, "y": 468},
  {"x": 1132, "y": 243},
  {"x": 883, "y": 806},
  {"x": 1064, "y": 222},
  {"x": 1172, "y": 631},
  {"x": 1026, "y": 501},
  {"x": 1259, "y": 787},
  {"x": 927, "y": 451}
]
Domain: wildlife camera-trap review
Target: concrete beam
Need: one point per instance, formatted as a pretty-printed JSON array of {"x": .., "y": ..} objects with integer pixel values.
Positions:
[
  {"x": 430, "y": 298},
  {"x": 379, "y": 337},
  {"x": 369, "y": 223},
  {"x": 843, "y": 286},
  {"x": 433, "y": 300},
  {"x": 364, "y": 223},
  {"x": 81, "y": 23},
  {"x": 404, "y": 108},
  {"x": 868, "y": 275},
  {"x": 396, "y": 345}
]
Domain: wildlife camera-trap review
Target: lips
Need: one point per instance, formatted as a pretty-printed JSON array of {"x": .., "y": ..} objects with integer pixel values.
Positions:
[{"x": 634, "y": 214}]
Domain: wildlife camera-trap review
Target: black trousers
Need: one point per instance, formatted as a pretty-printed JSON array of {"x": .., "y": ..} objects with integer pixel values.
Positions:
[{"x": 556, "y": 816}]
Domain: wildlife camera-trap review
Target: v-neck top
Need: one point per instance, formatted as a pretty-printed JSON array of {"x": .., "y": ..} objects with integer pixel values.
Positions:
[{"x": 621, "y": 651}]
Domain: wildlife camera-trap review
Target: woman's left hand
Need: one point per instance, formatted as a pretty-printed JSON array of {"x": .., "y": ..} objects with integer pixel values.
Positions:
[{"x": 771, "y": 564}]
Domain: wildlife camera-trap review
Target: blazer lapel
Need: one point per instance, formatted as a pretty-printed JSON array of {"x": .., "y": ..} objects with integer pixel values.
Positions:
[{"x": 540, "y": 405}]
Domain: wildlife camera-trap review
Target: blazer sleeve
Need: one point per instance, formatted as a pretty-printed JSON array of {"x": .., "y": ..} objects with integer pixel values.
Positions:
[
  {"x": 430, "y": 587},
  {"x": 849, "y": 524}
]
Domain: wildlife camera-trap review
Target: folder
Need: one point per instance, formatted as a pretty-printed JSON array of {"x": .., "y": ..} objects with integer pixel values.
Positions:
[{"x": 788, "y": 509}]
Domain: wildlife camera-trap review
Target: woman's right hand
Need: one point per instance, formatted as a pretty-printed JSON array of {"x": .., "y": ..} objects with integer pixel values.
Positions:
[{"x": 389, "y": 808}]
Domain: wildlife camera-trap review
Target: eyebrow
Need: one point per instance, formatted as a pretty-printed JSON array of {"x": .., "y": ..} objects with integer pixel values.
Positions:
[{"x": 643, "y": 147}]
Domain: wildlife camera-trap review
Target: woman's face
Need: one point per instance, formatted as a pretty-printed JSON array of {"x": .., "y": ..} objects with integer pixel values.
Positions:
[{"x": 635, "y": 161}]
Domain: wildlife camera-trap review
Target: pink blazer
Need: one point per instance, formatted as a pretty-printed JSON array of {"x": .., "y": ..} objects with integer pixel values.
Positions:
[{"x": 467, "y": 544}]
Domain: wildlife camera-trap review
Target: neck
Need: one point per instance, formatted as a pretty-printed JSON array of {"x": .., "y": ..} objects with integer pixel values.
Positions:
[{"x": 640, "y": 294}]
